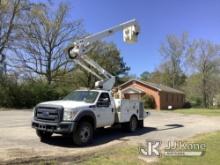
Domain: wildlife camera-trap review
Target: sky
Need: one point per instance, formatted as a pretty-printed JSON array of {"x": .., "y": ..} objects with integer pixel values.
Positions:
[{"x": 157, "y": 18}]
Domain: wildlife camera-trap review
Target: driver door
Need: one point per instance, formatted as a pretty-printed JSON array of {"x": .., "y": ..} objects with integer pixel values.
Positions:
[{"x": 104, "y": 111}]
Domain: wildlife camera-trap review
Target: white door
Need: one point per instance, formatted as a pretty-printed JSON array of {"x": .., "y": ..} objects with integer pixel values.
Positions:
[{"x": 104, "y": 111}]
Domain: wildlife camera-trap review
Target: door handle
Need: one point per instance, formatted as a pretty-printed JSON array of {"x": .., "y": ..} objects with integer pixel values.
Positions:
[{"x": 112, "y": 110}]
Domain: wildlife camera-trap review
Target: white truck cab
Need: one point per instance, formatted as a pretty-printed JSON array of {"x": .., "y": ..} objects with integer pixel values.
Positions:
[{"x": 82, "y": 111}]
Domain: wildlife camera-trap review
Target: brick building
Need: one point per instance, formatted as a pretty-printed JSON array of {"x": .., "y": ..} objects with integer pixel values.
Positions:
[{"x": 163, "y": 96}]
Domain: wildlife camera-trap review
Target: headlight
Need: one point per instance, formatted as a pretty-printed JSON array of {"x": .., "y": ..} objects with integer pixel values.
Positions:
[
  {"x": 69, "y": 115},
  {"x": 33, "y": 112}
]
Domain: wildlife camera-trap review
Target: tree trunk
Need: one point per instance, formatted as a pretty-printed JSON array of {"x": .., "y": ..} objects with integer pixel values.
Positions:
[
  {"x": 49, "y": 73},
  {"x": 204, "y": 93}
]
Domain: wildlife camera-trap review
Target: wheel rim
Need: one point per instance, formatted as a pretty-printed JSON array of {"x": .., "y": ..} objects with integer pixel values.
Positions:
[
  {"x": 133, "y": 124},
  {"x": 85, "y": 134}
]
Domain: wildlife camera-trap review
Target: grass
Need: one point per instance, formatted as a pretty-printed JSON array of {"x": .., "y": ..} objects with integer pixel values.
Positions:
[
  {"x": 128, "y": 155},
  {"x": 211, "y": 156},
  {"x": 123, "y": 155},
  {"x": 199, "y": 111}
]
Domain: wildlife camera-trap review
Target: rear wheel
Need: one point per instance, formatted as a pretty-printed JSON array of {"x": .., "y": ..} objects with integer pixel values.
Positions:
[
  {"x": 140, "y": 123},
  {"x": 132, "y": 124},
  {"x": 83, "y": 134},
  {"x": 43, "y": 134}
]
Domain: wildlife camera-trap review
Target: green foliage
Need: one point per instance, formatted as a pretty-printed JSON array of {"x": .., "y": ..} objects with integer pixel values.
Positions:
[
  {"x": 126, "y": 155},
  {"x": 164, "y": 76},
  {"x": 145, "y": 76},
  {"x": 211, "y": 155},
  {"x": 217, "y": 101},
  {"x": 149, "y": 101},
  {"x": 203, "y": 57},
  {"x": 28, "y": 94},
  {"x": 192, "y": 90}
]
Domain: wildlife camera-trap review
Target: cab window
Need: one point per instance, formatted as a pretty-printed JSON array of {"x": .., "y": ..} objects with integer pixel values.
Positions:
[{"x": 104, "y": 100}]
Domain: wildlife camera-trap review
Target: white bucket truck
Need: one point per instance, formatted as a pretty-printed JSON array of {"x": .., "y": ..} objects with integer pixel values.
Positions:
[{"x": 81, "y": 112}]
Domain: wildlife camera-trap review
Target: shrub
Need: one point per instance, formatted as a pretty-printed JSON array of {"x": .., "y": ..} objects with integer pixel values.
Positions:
[
  {"x": 28, "y": 94},
  {"x": 196, "y": 102},
  {"x": 187, "y": 105}
]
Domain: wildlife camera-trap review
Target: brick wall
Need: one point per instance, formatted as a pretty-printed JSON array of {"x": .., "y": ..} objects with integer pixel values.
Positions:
[
  {"x": 150, "y": 91},
  {"x": 162, "y": 99},
  {"x": 176, "y": 100}
]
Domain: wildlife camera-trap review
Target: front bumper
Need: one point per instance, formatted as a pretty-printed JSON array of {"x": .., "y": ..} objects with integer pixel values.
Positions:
[{"x": 61, "y": 127}]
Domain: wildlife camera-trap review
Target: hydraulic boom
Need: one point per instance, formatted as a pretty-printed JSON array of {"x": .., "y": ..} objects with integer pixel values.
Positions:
[{"x": 79, "y": 49}]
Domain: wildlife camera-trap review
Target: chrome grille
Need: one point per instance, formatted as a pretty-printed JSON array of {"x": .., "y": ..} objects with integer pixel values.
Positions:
[{"x": 49, "y": 113}]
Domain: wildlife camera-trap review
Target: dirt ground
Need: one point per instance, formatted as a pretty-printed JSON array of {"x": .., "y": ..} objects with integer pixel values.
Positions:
[{"x": 19, "y": 143}]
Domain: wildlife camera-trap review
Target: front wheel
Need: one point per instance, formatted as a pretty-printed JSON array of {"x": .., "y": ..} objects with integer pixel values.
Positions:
[
  {"x": 83, "y": 134},
  {"x": 43, "y": 134}
]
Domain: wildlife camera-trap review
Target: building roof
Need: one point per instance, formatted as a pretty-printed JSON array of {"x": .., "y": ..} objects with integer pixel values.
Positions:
[
  {"x": 132, "y": 90},
  {"x": 158, "y": 87}
]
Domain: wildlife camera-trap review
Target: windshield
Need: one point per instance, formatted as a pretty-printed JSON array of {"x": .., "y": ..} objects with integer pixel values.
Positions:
[{"x": 86, "y": 96}]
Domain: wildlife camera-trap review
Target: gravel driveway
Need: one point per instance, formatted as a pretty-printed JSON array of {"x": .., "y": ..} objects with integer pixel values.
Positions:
[{"x": 19, "y": 142}]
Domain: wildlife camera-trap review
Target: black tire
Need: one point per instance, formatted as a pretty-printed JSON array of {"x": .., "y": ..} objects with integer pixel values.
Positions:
[
  {"x": 43, "y": 135},
  {"x": 140, "y": 123},
  {"x": 83, "y": 134},
  {"x": 133, "y": 124}
]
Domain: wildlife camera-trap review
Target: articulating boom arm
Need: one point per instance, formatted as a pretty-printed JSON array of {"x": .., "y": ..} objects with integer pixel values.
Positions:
[{"x": 79, "y": 49}]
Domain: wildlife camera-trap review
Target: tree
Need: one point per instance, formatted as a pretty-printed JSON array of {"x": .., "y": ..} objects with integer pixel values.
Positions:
[
  {"x": 192, "y": 89},
  {"x": 162, "y": 76},
  {"x": 108, "y": 56},
  {"x": 167, "y": 77},
  {"x": 174, "y": 51},
  {"x": 145, "y": 76},
  {"x": 10, "y": 16},
  {"x": 42, "y": 42},
  {"x": 203, "y": 58}
]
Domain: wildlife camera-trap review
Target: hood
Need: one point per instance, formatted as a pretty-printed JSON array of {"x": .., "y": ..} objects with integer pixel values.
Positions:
[{"x": 67, "y": 103}]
